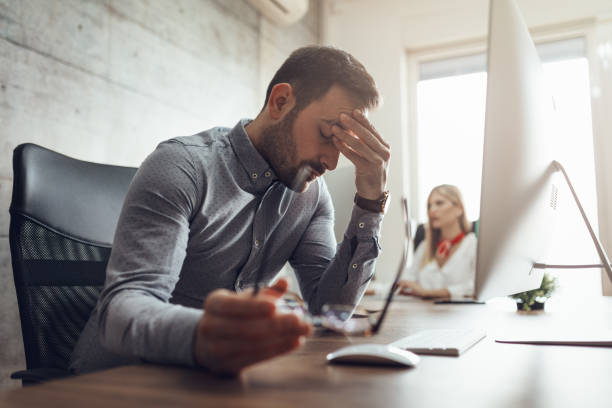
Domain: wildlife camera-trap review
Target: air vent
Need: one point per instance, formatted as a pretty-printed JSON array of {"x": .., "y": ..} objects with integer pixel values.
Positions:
[
  {"x": 554, "y": 195},
  {"x": 281, "y": 12}
]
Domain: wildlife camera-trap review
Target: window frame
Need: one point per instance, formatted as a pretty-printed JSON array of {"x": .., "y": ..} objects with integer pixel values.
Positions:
[{"x": 415, "y": 57}]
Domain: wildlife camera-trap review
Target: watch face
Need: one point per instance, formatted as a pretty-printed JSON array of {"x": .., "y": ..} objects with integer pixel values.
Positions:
[
  {"x": 383, "y": 200},
  {"x": 372, "y": 205}
]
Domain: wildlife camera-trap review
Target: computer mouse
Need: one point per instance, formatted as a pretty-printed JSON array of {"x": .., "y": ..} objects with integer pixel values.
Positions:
[{"x": 374, "y": 354}]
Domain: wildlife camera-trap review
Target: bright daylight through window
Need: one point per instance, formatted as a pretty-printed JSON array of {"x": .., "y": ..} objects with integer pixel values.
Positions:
[{"x": 451, "y": 98}]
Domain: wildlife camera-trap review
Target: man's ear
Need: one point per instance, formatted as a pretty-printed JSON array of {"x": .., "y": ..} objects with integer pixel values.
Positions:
[{"x": 281, "y": 101}]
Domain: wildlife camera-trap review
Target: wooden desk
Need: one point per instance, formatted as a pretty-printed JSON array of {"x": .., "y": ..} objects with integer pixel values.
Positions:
[{"x": 489, "y": 375}]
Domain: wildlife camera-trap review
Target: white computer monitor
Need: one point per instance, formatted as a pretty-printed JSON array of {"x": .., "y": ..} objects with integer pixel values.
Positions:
[
  {"x": 519, "y": 192},
  {"x": 520, "y": 176}
]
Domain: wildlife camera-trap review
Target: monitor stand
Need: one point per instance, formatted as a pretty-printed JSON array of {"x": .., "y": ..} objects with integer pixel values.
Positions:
[
  {"x": 599, "y": 338},
  {"x": 605, "y": 261}
]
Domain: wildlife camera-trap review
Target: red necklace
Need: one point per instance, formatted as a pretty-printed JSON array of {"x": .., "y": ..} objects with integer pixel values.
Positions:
[{"x": 445, "y": 245}]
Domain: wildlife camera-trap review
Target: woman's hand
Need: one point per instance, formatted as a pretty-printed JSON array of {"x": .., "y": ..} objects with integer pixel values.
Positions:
[{"x": 411, "y": 288}]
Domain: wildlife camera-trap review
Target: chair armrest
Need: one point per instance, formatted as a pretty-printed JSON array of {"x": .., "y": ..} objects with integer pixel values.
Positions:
[{"x": 39, "y": 375}]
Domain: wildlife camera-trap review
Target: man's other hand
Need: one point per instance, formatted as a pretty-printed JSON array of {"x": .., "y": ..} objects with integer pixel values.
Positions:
[{"x": 239, "y": 329}]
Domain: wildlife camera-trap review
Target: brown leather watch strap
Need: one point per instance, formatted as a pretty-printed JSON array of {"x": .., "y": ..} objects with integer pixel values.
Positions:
[{"x": 378, "y": 206}]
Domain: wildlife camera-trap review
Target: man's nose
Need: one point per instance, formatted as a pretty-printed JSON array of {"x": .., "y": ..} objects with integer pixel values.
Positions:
[{"x": 330, "y": 158}]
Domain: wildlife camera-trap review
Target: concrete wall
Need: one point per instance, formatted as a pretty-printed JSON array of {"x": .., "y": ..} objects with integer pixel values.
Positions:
[
  {"x": 107, "y": 80},
  {"x": 389, "y": 35}
]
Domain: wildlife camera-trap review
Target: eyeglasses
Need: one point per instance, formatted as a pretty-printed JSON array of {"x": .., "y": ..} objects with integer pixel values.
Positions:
[
  {"x": 340, "y": 318},
  {"x": 348, "y": 319}
]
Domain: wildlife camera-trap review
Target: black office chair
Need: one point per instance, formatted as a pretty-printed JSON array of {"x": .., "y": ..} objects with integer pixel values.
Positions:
[
  {"x": 63, "y": 217},
  {"x": 419, "y": 235}
]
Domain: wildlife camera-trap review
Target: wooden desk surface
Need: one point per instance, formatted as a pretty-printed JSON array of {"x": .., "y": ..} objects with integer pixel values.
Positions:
[{"x": 489, "y": 375}]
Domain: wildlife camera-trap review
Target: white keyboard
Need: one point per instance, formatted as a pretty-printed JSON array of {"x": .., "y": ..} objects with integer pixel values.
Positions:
[{"x": 448, "y": 342}]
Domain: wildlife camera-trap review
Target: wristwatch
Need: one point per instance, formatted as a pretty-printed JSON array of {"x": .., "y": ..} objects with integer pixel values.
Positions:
[{"x": 378, "y": 206}]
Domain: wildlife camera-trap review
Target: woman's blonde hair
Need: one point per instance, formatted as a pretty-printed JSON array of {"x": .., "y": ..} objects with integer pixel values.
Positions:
[{"x": 433, "y": 235}]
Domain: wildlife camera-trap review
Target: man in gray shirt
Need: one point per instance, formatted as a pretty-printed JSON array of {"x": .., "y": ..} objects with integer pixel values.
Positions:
[{"x": 207, "y": 216}]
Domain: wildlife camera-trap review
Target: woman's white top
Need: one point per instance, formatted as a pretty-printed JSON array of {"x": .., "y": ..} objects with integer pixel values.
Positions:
[{"x": 457, "y": 274}]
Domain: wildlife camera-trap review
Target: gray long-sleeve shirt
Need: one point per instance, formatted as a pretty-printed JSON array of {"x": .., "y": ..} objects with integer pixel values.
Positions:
[{"x": 207, "y": 212}]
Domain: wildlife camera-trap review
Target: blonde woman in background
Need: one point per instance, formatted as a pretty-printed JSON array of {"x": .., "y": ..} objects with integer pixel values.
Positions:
[{"x": 444, "y": 263}]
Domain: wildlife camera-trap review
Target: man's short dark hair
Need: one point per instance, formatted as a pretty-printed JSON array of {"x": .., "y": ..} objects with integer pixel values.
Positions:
[{"x": 313, "y": 70}]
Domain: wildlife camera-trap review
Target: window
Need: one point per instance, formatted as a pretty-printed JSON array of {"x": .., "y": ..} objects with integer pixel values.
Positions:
[{"x": 451, "y": 96}]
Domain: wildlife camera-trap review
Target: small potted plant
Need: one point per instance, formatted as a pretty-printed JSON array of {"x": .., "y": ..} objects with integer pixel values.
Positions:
[{"x": 534, "y": 299}]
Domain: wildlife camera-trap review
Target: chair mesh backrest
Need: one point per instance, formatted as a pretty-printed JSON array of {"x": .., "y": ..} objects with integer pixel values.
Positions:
[{"x": 53, "y": 309}]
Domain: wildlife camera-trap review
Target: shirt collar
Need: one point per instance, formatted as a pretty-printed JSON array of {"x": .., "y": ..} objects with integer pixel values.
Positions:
[{"x": 259, "y": 174}]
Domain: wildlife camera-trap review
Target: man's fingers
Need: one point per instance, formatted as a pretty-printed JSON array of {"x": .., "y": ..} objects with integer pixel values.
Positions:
[
  {"x": 274, "y": 349},
  {"x": 277, "y": 290},
  {"x": 369, "y": 136},
  {"x": 226, "y": 303},
  {"x": 228, "y": 349},
  {"x": 230, "y": 335},
  {"x": 252, "y": 329},
  {"x": 361, "y": 118},
  {"x": 350, "y": 154},
  {"x": 356, "y": 144}
]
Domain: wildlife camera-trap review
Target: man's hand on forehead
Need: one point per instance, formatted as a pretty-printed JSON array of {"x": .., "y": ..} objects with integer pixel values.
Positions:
[
  {"x": 338, "y": 121},
  {"x": 357, "y": 139}
]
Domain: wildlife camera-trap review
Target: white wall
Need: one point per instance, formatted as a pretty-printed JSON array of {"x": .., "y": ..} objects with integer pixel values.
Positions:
[
  {"x": 107, "y": 80},
  {"x": 387, "y": 34}
]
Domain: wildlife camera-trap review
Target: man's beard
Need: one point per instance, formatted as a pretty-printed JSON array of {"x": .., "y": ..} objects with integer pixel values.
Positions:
[{"x": 279, "y": 149}]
